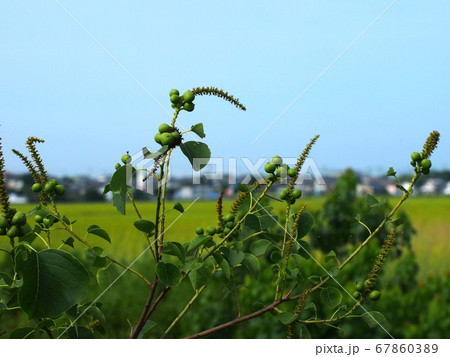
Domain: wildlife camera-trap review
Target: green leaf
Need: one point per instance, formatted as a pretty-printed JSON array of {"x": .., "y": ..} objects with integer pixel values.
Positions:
[
  {"x": 223, "y": 265},
  {"x": 305, "y": 249},
  {"x": 96, "y": 230},
  {"x": 175, "y": 249},
  {"x": 198, "y": 242},
  {"x": 179, "y": 207},
  {"x": 162, "y": 150},
  {"x": 401, "y": 188},
  {"x": 148, "y": 326},
  {"x": 21, "y": 333},
  {"x": 53, "y": 281},
  {"x": 391, "y": 172},
  {"x": 79, "y": 332},
  {"x": 305, "y": 224},
  {"x": 119, "y": 199},
  {"x": 330, "y": 256},
  {"x": 145, "y": 226},
  {"x": 200, "y": 277},
  {"x": 303, "y": 332},
  {"x": 121, "y": 178},
  {"x": 252, "y": 222},
  {"x": 331, "y": 296},
  {"x": 259, "y": 247},
  {"x": 198, "y": 129},
  {"x": 372, "y": 201},
  {"x": 287, "y": 318},
  {"x": 168, "y": 274},
  {"x": 197, "y": 153},
  {"x": 242, "y": 187},
  {"x": 267, "y": 221},
  {"x": 69, "y": 241},
  {"x": 252, "y": 265},
  {"x": 107, "y": 189},
  {"x": 374, "y": 319},
  {"x": 192, "y": 263},
  {"x": 96, "y": 256},
  {"x": 106, "y": 276},
  {"x": 3, "y": 306},
  {"x": 236, "y": 257}
]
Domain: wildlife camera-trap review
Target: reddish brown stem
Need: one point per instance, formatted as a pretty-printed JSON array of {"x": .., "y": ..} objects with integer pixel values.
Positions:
[{"x": 143, "y": 319}]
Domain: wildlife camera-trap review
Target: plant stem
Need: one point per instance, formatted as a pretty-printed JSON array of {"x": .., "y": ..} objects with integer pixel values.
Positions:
[
  {"x": 184, "y": 311},
  {"x": 142, "y": 320},
  {"x": 279, "y": 291}
]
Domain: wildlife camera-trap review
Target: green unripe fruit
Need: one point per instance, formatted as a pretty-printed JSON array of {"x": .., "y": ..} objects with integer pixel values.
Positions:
[
  {"x": 188, "y": 106},
  {"x": 174, "y": 92},
  {"x": 188, "y": 96},
  {"x": 164, "y": 128},
  {"x": 367, "y": 284},
  {"x": 219, "y": 229},
  {"x": 270, "y": 168},
  {"x": 38, "y": 219},
  {"x": 47, "y": 222},
  {"x": 229, "y": 225},
  {"x": 425, "y": 163},
  {"x": 166, "y": 139},
  {"x": 359, "y": 287},
  {"x": 19, "y": 219},
  {"x": 226, "y": 230},
  {"x": 176, "y": 135},
  {"x": 281, "y": 171},
  {"x": 425, "y": 171},
  {"x": 284, "y": 193},
  {"x": 117, "y": 166},
  {"x": 229, "y": 218},
  {"x": 158, "y": 138},
  {"x": 50, "y": 186},
  {"x": 412, "y": 163},
  {"x": 416, "y": 156},
  {"x": 356, "y": 295},
  {"x": 211, "y": 230},
  {"x": 175, "y": 98},
  {"x": 297, "y": 194},
  {"x": 291, "y": 173},
  {"x": 3, "y": 222},
  {"x": 2, "y": 231},
  {"x": 126, "y": 158},
  {"x": 12, "y": 232},
  {"x": 374, "y": 295},
  {"x": 199, "y": 231},
  {"x": 60, "y": 189},
  {"x": 37, "y": 187},
  {"x": 276, "y": 160},
  {"x": 271, "y": 177}
]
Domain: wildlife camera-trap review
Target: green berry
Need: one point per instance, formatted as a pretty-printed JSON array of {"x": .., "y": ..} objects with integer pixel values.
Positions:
[
  {"x": 12, "y": 232},
  {"x": 188, "y": 96},
  {"x": 425, "y": 171},
  {"x": 284, "y": 193},
  {"x": 226, "y": 230},
  {"x": 281, "y": 171},
  {"x": 175, "y": 98},
  {"x": 271, "y": 177},
  {"x": 164, "y": 128},
  {"x": 158, "y": 138},
  {"x": 38, "y": 219},
  {"x": 37, "y": 187},
  {"x": 270, "y": 168},
  {"x": 229, "y": 225},
  {"x": 415, "y": 156},
  {"x": 199, "y": 231},
  {"x": 174, "y": 92},
  {"x": 276, "y": 160},
  {"x": 291, "y": 172},
  {"x": 356, "y": 295},
  {"x": 188, "y": 106},
  {"x": 425, "y": 164},
  {"x": 359, "y": 287},
  {"x": 176, "y": 135},
  {"x": 47, "y": 222},
  {"x": 19, "y": 219},
  {"x": 60, "y": 189},
  {"x": 229, "y": 218},
  {"x": 166, "y": 139},
  {"x": 367, "y": 284},
  {"x": 49, "y": 186},
  {"x": 374, "y": 295},
  {"x": 297, "y": 194},
  {"x": 211, "y": 230},
  {"x": 126, "y": 158},
  {"x": 3, "y": 222}
]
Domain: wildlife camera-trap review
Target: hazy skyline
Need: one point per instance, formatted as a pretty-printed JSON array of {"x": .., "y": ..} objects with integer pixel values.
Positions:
[{"x": 373, "y": 107}]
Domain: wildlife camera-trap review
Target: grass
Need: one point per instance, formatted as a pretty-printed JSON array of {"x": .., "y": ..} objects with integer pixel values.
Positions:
[{"x": 430, "y": 216}]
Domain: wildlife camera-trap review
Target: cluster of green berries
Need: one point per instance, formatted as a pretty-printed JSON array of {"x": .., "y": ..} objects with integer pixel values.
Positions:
[
  {"x": 277, "y": 170},
  {"x": 168, "y": 135},
  {"x": 16, "y": 227},
  {"x": 418, "y": 162},
  {"x": 229, "y": 224},
  {"x": 183, "y": 102},
  {"x": 126, "y": 159},
  {"x": 45, "y": 222},
  {"x": 374, "y": 295},
  {"x": 50, "y": 187}
]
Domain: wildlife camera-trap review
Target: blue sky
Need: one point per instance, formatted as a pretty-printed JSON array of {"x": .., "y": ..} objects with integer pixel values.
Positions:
[{"x": 372, "y": 108}]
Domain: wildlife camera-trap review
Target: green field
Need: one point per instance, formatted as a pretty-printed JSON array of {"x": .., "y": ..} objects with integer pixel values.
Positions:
[{"x": 430, "y": 217}]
